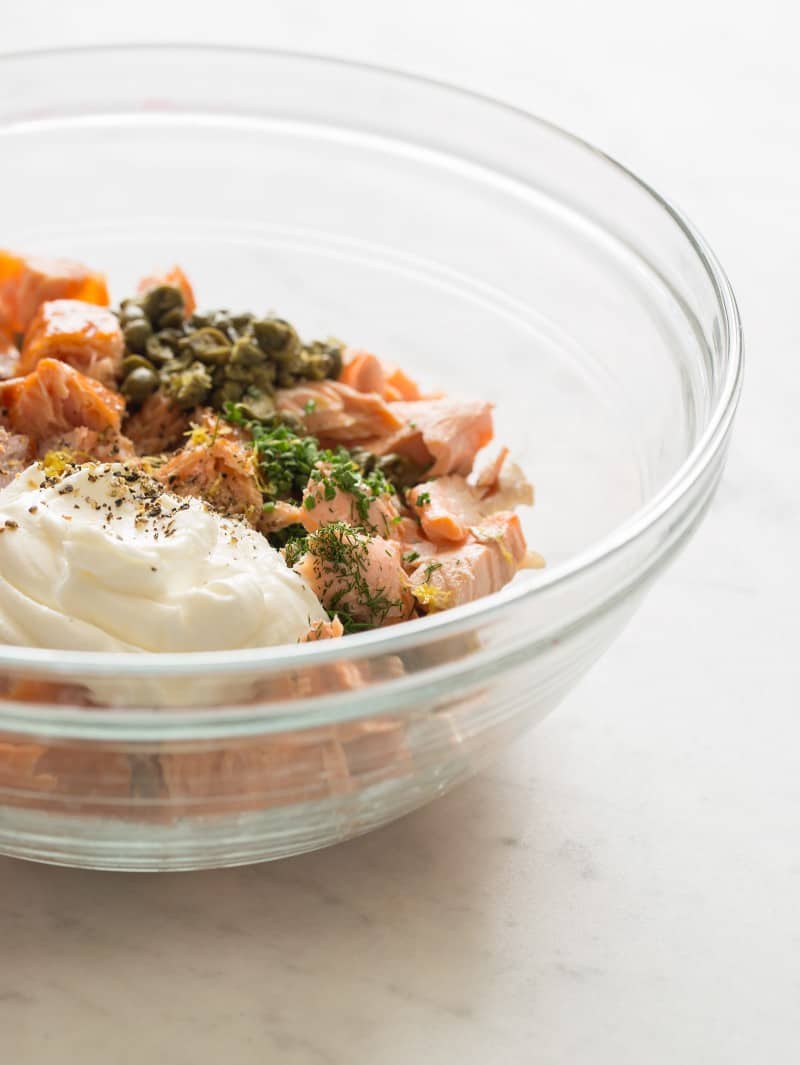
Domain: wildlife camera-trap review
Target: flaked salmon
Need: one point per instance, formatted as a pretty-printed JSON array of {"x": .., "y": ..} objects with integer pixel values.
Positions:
[
  {"x": 442, "y": 434},
  {"x": 175, "y": 277},
  {"x": 27, "y": 281},
  {"x": 490, "y": 557},
  {"x": 89, "y": 445},
  {"x": 323, "y": 630},
  {"x": 15, "y": 454},
  {"x": 158, "y": 426},
  {"x": 216, "y": 464},
  {"x": 448, "y": 506},
  {"x": 365, "y": 372},
  {"x": 336, "y": 413},
  {"x": 81, "y": 334},
  {"x": 55, "y": 398}
]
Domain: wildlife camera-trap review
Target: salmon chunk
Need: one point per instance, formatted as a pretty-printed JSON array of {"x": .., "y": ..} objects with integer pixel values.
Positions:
[
  {"x": 175, "y": 277},
  {"x": 15, "y": 454},
  {"x": 357, "y": 576},
  {"x": 159, "y": 425},
  {"x": 81, "y": 334},
  {"x": 449, "y": 506},
  {"x": 323, "y": 630},
  {"x": 55, "y": 398},
  {"x": 216, "y": 464},
  {"x": 492, "y": 554},
  {"x": 26, "y": 282},
  {"x": 398, "y": 385},
  {"x": 446, "y": 508},
  {"x": 367, "y": 373},
  {"x": 336, "y": 413},
  {"x": 363, "y": 371},
  {"x": 279, "y": 515},
  {"x": 443, "y": 434},
  {"x": 89, "y": 445}
]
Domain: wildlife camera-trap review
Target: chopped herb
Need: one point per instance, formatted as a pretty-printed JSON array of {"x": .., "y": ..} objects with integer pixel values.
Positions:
[
  {"x": 294, "y": 549},
  {"x": 422, "y": 499},
  {"x": 282, "y": 538},
  {"x": 310, "y": 406},
  {"x": 412, "y": 556},
  {"x": 287, "y": 460},
  {"x": 430, "y": 568}
]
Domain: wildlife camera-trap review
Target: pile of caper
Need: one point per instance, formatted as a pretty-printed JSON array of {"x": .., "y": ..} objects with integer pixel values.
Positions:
[{"x": 215, "y": 357}]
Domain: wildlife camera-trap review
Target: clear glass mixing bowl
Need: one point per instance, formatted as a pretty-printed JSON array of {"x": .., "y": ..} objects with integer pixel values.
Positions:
[{"x": 487, "y": 251}]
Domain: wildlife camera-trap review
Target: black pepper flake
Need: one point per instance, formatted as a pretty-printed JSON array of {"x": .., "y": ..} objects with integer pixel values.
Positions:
[
  {"x": 33, "y": 509},
  {"x": 9, "y": 524}
]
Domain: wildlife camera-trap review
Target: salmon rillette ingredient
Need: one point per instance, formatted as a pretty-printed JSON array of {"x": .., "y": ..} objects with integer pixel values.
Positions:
[
  {"x": 28, "y": 281},
  {"x": 80, "y": 334}
]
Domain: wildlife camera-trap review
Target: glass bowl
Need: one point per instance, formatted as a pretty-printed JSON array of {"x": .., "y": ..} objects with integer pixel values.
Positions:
[{"x": 489, "y": 252}]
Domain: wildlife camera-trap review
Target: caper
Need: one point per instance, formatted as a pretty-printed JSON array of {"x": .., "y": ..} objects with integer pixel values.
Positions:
[
  {"x": 316, "y": 367},
  {"x": 171, "y": 337},
  {"x": 263, "y": 377},
  {"x": 257, "y": 405},
  {"x": 275, "y": 336},
  {"x": 139, "y": 383},
  {"x": 325, "y": 358},
  {"x": 178, "y": 363},
  {"x": 335, "y": 361},
  {"x": 133, "y": 362},
  {"x": 246, "y": 354},
  {"x": 160, "y": 301},
  {"x": 131, "y": 311},
  {"x": 171, "y": 319},
  {"x": 136, "y": 333},
  {"x": 207, "y": 344},
  {"x": 189, "y": 387},
  {"x": 157, "y": 351},
  {"x": 230, "y": 392}
]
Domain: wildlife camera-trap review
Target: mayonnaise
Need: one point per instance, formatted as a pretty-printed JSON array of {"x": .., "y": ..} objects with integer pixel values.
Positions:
[{"x": 103, "y": 558}]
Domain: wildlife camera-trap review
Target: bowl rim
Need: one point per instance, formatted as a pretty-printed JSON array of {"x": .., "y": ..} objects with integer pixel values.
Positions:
[{"x": 46, "y": 661}]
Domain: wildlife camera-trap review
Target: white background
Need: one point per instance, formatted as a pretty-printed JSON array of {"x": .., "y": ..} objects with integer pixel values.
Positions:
[{"x": 624, "y": 886}]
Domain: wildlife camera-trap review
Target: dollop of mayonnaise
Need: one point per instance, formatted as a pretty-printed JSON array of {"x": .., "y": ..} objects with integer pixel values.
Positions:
[{"x": 102, "y": 558}]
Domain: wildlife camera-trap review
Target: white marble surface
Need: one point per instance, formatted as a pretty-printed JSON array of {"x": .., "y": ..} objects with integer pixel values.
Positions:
[{"x": 623, "y": 887}]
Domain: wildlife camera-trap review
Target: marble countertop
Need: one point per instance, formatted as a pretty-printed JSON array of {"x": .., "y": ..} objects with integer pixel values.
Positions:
[{"x": 623, "y": 886}]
